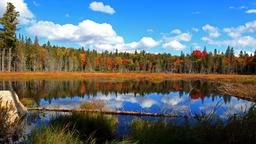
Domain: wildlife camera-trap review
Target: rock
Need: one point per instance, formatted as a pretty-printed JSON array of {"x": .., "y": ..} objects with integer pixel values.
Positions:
[{"x": 11, "y": 100}]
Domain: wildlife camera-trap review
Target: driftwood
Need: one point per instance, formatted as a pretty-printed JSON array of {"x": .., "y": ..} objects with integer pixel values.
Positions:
[{"x": 110, "y": 112}]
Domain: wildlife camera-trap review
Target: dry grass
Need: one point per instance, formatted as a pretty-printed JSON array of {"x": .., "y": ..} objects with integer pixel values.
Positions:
[
  {"x": 247, "y": 91},
  {"x": 28, "y": 102},
  {"x": 93, "y": 105},
  {"x": 123, "y": 76}
]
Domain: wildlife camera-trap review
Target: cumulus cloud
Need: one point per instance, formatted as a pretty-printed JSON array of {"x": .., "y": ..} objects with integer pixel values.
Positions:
[
  {"x": 25, "y": 14},
  {"x": 101, "y": 7},
  {"x": 249, "y": 27},
  {"x": 174, "y": 44},
  {"x": 240, "y": 36},
  {"x": 175, "y": 41},
  {"x": 144, "y": 43},
  {"x": 90, "y": 34},
  {"x": 211, "y": 30},
  {"x": 244, "y": 41}
]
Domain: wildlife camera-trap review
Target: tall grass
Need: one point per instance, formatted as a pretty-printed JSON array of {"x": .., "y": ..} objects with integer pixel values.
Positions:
[
  {"x": 77, "y": 128},
  {"x": 239, "y": 129},
  {"x": 51, "y": 135},
  {"x": 93, "y": 105},
  {"x": 98, "y": 126}
]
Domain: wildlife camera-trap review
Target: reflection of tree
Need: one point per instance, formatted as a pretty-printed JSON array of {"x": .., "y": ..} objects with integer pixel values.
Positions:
[{"x": 38, "y": 89}]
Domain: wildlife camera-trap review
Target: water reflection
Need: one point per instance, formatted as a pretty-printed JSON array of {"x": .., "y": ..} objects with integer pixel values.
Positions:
[{"x": 181, "y": 97}]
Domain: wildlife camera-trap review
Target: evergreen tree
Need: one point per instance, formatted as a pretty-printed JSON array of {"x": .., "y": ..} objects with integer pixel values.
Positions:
[{"x": 9, "y": 22}]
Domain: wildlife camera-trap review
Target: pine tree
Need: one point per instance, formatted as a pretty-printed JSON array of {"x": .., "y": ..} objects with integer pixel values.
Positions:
[{"x": 9, "y": 22}]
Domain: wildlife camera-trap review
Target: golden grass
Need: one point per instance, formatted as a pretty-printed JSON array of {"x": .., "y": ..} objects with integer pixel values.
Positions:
[
  {"x": 93, "y": 105},
  {"x": 28, "y": 102},
  {"x": 122, "y": 76}
]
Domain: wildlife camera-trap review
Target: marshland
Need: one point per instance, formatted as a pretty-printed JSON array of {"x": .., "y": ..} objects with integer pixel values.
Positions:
[{"x": 68, "y": 77}]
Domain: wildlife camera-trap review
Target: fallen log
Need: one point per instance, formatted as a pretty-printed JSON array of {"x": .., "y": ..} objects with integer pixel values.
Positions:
[{"x": 110, "y": 112}]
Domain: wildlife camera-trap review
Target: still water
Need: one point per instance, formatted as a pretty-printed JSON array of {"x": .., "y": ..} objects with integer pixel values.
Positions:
[{"x": 180, "y": 97}]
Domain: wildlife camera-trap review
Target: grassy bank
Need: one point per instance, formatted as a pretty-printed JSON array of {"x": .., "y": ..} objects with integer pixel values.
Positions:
[
  {"x": 77, "y": 128},
  {"x": 239, "y": 129},
  {"x": 123, "y": 76},
  {"x": 92, "y": 129}
]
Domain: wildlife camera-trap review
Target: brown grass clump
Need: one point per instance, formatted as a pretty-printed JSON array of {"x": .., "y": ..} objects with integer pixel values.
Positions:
[
  {"x": 28, "y": 102},
  {"x": 93, "y": 105}
]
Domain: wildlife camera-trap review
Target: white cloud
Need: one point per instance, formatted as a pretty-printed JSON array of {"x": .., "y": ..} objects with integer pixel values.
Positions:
[
  {"x": 25, "y": 14},
  {"x": 211, "y": 30},
  {"x": 184, "y": 37},
  {"x": 243, "y": 41},
  {"x": 144, "y": 43},
  {"x": 90, "y": 34},
  {"x": 249, "y": 27},
  {"x": 174, "y": 44},
  {"x": 176, "y": 31},
  {"x": 251, "y": 11},
  {"x": 240, "y": 37},
  {"x": 100, "y": 7}
]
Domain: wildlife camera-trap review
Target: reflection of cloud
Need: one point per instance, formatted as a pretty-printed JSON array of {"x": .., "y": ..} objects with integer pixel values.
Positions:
[
  {"x": 175, "y": 103},
  {"x": 174, "y": 100},
  {"x": 114, "y": 105},
  {"x": 225, "y": 110},
  {"x": 147, "y": 103},
  {"x": 171, "y": 103},
  {"x": 116, "y": 101}
]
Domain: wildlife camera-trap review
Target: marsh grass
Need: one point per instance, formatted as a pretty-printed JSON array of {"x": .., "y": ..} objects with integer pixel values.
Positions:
[
  {"x": 93, "y": 105},
  {"x": 98, "y": 126},
  {"x": 28, "y": 102},
  {"x": 77, "y": 128},
  {"x": 239, "y": 129},
  {"x": 54, "y": 135}
]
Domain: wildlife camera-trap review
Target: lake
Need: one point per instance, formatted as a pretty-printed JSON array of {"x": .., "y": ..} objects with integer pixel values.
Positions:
[{"x": 184, "y": 98}]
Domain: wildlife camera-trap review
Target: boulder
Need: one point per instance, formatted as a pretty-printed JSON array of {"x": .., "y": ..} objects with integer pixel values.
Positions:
[{"x": 10, "y": 100}]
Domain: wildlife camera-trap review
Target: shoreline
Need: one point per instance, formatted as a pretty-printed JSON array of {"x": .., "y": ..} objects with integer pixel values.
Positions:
[{"x": 131, "y": 76}]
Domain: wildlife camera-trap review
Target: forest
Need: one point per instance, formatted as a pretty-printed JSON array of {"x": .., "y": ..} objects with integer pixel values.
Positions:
[{"x": 22, "y": 54}]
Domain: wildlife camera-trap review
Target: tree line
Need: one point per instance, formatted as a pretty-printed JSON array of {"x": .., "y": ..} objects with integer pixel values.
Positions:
[{"x": 19, "y": 53}]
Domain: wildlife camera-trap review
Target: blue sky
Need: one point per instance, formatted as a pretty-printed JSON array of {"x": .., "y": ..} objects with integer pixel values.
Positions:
[{"x": 155, "y": 26}]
